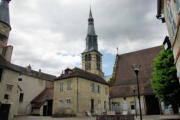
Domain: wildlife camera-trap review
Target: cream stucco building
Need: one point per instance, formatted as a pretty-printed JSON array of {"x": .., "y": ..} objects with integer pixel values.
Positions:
[
  {"x": 83, "y": 91},
  {"x": 19, "y": 86},
  {"x": 169, "y": 11}
]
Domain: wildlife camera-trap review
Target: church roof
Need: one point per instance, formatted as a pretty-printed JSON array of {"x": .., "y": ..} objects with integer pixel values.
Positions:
[
  {"x": 77, "y": 72},
  {"x": 125, "y": 77},
  {"x": 22, "y": 70},
  {"x": 4, "y": 12},
  {"x": 91, "y": 38},
  {"x": 44, "y": 96}
]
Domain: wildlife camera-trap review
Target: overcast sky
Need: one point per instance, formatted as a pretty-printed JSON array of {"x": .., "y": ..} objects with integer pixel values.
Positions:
[{"x": 50, "y": 34}]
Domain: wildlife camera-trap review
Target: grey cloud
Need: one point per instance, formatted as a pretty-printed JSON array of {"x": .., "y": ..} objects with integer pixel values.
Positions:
[{"x": 118, "y": 23}]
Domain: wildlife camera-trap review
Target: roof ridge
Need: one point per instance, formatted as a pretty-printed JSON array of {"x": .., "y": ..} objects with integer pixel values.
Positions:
[{"x": 139, "y": 50}]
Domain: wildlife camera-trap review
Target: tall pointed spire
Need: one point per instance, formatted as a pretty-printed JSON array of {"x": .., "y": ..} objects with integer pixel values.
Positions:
[
  {"x": 91, "y": 39},
  {"x": 90, "y": 13},
  {"x": 4, "y": 11}
]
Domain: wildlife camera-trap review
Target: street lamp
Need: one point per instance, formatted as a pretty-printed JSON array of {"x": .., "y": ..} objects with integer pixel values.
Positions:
[{"x": 136, "y": 69}]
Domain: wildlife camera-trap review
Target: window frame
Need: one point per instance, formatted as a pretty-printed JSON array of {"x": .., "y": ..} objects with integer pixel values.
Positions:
[
  {"x": 60, "y": 106},
  {"x": 68, "y": 85},
  {"x": 21, "y": 97},
  {"x": 61, "y": 86},
  {"x": 171, "y": 19},
  {"x": 68, "y": 103}
]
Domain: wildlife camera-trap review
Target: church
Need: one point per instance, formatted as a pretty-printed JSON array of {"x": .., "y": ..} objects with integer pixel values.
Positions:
[
  {"x": 83, "y": 91},
  {"x": 78, "y": 91}
]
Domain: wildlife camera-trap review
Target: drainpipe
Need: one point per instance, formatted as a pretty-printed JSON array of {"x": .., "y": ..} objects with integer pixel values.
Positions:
[{"x": 77, "y": 106}]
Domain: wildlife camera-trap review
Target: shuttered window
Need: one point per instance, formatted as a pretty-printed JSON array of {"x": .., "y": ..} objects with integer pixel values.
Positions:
[
  {"x": 177, "y": 3},
  {"x": 171, "y": 19}
]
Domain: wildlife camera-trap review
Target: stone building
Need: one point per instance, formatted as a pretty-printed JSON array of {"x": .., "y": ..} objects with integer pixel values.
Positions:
[
  {"x": 83, "y": 91},
  {"x": 169, "y": 11},
  {"x": 18, "y": 85},
  {"x": 123, "y": 94}
]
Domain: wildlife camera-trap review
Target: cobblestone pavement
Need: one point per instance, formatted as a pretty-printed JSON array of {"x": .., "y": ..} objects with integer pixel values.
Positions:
[
  {"x": 149, "y": 117},
  {"x": 159, "y": 117},
  {"x": 50, "y": 118}
]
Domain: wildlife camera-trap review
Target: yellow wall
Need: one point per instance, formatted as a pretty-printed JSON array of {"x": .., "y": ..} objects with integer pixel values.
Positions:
[
  {"x": 9, "y": 77},
  {"x": 174, "y": 40},
  {"x": 128, "y": 100},
  {"x": 31, "y": 87},
  {"x": 84, "y": 96},
  {"x": 93, "y": 63}
]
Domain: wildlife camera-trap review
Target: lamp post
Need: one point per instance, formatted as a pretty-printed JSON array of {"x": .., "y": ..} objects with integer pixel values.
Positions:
[{"x": 136, "y": 69}]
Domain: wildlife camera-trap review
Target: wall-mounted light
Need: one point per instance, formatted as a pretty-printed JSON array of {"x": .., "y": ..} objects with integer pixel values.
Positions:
[{"x": 167, "y": 43}]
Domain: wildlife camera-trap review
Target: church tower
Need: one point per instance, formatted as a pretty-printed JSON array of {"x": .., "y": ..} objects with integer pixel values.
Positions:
[
  {"x": 5, "y": 28},
  {"x": 91, "y": 57}
]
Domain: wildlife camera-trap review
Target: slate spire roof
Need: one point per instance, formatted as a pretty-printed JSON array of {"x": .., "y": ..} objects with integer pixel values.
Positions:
[
  {"x": 91, "y": 38},
  {"x": 4, "y": 11}
]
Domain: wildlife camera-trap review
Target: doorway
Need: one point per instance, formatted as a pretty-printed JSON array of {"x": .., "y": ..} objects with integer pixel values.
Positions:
[
  {"x": 152, "y": 105},
  {"x": 4, "y": 111},
  {"x": 92, "y": 105}
]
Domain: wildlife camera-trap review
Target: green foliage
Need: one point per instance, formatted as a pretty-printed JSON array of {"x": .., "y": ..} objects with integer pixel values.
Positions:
[
  {"x": 164, "y": 81},
  {"x": 112, "y": 80}
]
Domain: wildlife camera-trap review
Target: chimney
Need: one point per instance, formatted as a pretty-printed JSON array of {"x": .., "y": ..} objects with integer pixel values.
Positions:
[{"x": 29, "y": 68}]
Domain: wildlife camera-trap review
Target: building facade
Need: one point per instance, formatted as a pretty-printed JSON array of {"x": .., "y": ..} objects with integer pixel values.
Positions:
[
  {"x": 83, "y": 91},
  {"x": 123, "y": 93},
  {"x": 18, "y": 85},
  {"x": 169, "y": 12}
]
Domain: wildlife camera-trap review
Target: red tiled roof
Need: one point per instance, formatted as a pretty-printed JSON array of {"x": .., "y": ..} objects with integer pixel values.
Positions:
[
  {"x": 125, "y": 76},
  {"x": 44, "y": 96}
]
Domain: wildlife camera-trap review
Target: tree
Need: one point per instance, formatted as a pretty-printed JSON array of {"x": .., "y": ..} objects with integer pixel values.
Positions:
[
  {"x": 164, "y": 81},
  {"x": 112, "y": 79}
]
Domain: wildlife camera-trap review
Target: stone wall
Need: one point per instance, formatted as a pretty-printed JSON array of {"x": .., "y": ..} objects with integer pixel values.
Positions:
[
  {"x": 128, "y": 100},
  {"x": 80, "y": 96}
]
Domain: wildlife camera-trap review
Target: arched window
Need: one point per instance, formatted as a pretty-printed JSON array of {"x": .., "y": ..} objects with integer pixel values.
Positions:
[
  {"x": 89, "y": 57},
  {"x": 98, "y": 62},
  {"x": 86, "y": 58}
]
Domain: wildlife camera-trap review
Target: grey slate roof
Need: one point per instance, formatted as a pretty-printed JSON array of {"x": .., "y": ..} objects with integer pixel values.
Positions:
[
  {"x": 91, "y": 38},
  {"x": 4, "y": 12},
  {"x": 7, "y": 65},
  {"x": 77, "y": 72}
]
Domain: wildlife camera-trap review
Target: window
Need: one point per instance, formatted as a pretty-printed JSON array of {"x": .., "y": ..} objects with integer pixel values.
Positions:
[
  {"x": 9, "y": 87},
  {"x": 68, "y": 85},
  {"x": 177, "y": 2},
  {"x": 20, "y": 77},
  {"x": 1, "y": 71},
  {"x": 21, "y": 96},
  {"x": 60, "y": 104},
  {"x": 92, "y": 87},
  {"x": 116, "y": 107},
  {"x": 61, "y": 86},
  {"x": 171, "y": 18},
  {"x": 98, "y": 89},
  {"x": 125, "y": 106},
  {"x": 98, "y": 62},
  {"x": 132, "y": 105},
  {"x": 106, "y": 90},
  {"x": 99, "y": 104},
  {"x": 86, "y": 58},
  {"x": 89, "y": 57},
  {"x": 68, "y": 103},
  {"x": 4, "y": 51},
  {"x": 105, "y": 107},
  {"x": 88, "y": 66},
  {"x": 6, "y": 96}
]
